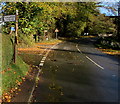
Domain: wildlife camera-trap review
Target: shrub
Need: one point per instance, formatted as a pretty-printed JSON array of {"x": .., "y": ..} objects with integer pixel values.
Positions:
[{"x": 108, "y": 42}]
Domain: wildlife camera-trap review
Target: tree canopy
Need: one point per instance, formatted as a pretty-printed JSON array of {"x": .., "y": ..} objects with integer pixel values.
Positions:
[{"x": 71, "y": 18}]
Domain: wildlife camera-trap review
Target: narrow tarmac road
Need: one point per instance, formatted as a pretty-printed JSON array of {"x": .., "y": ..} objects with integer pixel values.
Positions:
[{"x": 74, "y": 71}]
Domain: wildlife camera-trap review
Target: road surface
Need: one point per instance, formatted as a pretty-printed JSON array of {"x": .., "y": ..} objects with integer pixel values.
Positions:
[{"x": 74, "y": 71}]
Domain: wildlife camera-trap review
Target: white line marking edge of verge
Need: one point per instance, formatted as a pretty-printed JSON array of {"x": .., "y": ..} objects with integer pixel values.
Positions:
[{"x": 41, "y": 64}]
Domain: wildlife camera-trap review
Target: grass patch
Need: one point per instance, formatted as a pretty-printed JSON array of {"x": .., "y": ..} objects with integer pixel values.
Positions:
[
  {"x": 13, "y": 76},
  {"x": 111, "y": 51},
  {"x": 7, "y": 51},
  {"x": 89, "y": 36},
  {"x": 0, "y": 51}
]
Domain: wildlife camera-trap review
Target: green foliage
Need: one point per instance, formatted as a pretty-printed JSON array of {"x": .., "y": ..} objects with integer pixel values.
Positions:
[
  {"x": 71, "y": 18},
  {"x": 108, "y": 42},
  {"x": 16, "y": 71},
  {"x": 25, "y": 40},
  {"x": 102, "y": 24}
]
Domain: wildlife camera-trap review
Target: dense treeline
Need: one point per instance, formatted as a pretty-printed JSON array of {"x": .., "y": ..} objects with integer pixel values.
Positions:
[{"x": 71, "y": 18}]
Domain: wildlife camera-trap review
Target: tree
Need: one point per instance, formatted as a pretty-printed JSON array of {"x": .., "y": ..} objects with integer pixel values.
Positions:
[
  {"x": 102, "y": 24},
  {"x": 71, "y": 18}
]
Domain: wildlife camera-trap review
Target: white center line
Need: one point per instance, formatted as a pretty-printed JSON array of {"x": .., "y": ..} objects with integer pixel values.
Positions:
[
  {"x": 89, "y": 58},
  {"x": 94, "y": 62},
  {"x": 31, "y": 95},
  {"x": 40, "y": 65}
]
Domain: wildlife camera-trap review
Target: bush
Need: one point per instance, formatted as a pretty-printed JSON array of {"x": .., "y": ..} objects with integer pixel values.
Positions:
[
  {"x": 25, "y": 40},
  {"x": 115, "y": 45},
  {"x": 108, "y": 42}
]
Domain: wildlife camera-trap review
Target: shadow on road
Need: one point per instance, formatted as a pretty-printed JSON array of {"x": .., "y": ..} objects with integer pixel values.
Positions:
[{"x": 89, "y": 42}]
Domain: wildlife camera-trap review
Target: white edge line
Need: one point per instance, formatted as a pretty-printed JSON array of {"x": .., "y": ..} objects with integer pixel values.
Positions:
[
  {"x": 41, "y": 64},
  {"x": 89, "y": 58},
  {"x": 42, "y": 61},
  {"x": 94, "y": 62},
  {"x": 29, "y": 100},
  {"x": 43, "y": 58}
]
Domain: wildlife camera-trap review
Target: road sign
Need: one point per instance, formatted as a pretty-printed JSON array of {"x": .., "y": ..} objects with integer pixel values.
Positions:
[
  {"x": 56, "y": 30},
  {"x": 45, "y": 31},
  {"x": 9, "y": 18},
  {"x": 1, "y": 19},
  {"x": 12, "y": 28}
]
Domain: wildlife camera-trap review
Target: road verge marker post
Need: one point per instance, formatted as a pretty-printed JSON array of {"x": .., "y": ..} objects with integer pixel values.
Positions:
[{"x": 40, "y": 69}]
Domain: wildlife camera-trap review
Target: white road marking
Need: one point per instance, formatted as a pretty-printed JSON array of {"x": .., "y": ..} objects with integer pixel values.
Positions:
[
  {"x": 41, "y": 64},
  {"x": 43, "y": 58},
  {"x": 94, "y": 62},
  {"x": 29, "y": 100},
  {"x": 89, "y": 58},
  {"x": 78, "y": 48},
  {"x": 42, "y": 61},
  {"x": 31, "y": 95}
]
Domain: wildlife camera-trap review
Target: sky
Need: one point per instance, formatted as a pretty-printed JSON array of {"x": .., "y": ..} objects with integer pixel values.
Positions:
[{"x": 110, "y": 4}]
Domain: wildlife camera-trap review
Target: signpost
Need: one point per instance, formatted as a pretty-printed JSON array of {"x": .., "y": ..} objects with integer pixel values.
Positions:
[
  {"x": 16, "y": 38},
  {"x": 45, "y": 33},
  {"x": 11, "y": 18},
  {"x": 56, "y": 31}
]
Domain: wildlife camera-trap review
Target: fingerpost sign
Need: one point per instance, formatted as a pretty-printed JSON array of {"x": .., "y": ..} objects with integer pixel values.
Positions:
[{"x": 9, "y": 18}]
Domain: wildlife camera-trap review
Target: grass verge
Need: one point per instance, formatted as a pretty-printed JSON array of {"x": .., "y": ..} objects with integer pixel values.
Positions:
[
  {"x": 110, "y": 51},
  {"x": 7, "y": 51},
  {"x": 12, "y": 77},
  {"x": 12, "y": 74}
]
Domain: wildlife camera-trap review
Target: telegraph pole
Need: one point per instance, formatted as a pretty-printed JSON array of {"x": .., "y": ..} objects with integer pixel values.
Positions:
[{"x": 16, "y": 38}]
